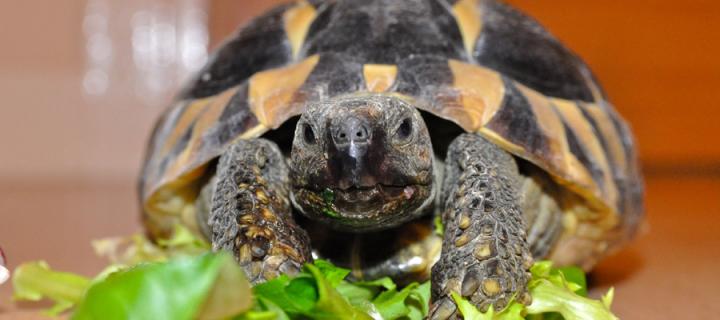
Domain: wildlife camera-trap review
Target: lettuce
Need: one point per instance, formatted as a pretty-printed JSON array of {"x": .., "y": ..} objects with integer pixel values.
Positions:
[
  {"x": 35, "y": 281},
  {"x": 207, "y": 287},
  {"x": 175, "y": 282},
  {"x": 554, "y": 291},
  {"x": 320, "y": 292},
  {"x": 556, "y": 294},
  {"x": 136, "y": 248}
]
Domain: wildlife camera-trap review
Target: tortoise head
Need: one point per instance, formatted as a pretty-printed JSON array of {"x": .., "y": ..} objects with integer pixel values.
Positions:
[{"x": 363, "y": 162}]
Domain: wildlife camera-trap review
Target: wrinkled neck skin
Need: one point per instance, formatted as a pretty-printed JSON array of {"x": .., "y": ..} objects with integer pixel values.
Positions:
[{"x": 362, "y": 163}]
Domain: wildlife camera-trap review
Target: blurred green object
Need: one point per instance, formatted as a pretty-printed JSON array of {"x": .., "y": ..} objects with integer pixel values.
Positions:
[
  {"x": 35, "y": 280},
  {"x": 209, "y": 286}
]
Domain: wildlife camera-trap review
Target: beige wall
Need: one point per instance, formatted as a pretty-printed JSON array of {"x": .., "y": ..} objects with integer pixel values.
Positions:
[{"x": 48, "y": 128}]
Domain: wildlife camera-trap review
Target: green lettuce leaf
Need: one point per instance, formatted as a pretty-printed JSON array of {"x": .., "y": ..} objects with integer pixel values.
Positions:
[
  {"x": 549, "y": 297},
  {"x": 137, "y": 248},
  {"x": 409, "y": 303},
  {"x": 213, "y": 286},
  {"x": 573, "y": 275},
  {"x": 312, "y": 293},
  {"x": 291, "y": 298},
  {"x": 514, "y": 310},
  {"x": 35, "y": 280},
  {"x": 556, "y": 294},
  {"x": 330, "y": 304},
  {"x": 380, "y": 298},
  {"x": 332, "y": 274},
  {"x": 563, "y": 292},
  {"x": 205, "y": 287},
  {"x": 418, "y": 302}
]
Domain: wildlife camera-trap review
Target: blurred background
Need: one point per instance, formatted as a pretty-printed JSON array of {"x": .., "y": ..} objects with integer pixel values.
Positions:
[{"x": 82, "y": 82}]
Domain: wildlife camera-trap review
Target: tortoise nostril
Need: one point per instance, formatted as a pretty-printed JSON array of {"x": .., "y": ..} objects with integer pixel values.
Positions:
[
  {"x": 361, "y": 132},
  {"x": 404, "y": 131},
  {"x": 309, "y": 134},
  {"x": 351, "y": 129}
]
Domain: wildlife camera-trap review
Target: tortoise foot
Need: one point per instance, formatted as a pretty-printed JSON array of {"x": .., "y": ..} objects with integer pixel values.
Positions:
[
  {"x": 485, "y": 256},
  {"x": 251, "y": 215}
]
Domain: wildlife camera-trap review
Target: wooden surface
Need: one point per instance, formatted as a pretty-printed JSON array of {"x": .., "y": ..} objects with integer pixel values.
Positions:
[{"x": 669, "y": 272}]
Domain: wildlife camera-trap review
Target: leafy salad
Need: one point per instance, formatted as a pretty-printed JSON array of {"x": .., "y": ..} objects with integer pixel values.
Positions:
[{"x": 181, "y": 279}]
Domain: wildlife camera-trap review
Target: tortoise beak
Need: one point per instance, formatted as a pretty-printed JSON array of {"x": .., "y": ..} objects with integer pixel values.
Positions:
[{"x": 352, "y": 140}]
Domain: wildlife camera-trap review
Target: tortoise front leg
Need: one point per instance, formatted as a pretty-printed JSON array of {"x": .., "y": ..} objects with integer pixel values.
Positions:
[
  {"x": 250, "y": 212},
  {"x": 485, "y": 257}
]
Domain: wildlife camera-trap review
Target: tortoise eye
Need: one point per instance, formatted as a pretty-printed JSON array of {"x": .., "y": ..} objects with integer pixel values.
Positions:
[
  {"x": 308, "y": 134},
  {"x": 404, "y": 130}
]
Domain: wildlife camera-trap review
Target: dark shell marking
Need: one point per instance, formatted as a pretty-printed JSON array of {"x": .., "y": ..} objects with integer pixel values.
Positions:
[{"x": 466, "y": 61}]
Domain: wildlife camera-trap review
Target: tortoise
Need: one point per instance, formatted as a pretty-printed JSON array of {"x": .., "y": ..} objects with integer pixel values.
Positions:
[{"x": 340, "y": 129}]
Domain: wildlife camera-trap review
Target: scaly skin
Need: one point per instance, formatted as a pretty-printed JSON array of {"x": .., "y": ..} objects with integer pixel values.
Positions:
[
  {"x": 543, "y": 215},
  {"x": 250, "y": 212},
  {"x": 485, "y": 256}
]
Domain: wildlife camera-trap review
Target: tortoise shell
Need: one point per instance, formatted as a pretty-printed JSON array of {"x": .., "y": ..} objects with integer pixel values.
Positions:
[{"x": 480, "y": 64}]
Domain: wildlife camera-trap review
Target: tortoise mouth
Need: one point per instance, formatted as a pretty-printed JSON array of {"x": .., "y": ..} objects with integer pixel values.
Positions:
[
  {"x": 362, "y": 208},
  {"x": 363, "y": 200}
]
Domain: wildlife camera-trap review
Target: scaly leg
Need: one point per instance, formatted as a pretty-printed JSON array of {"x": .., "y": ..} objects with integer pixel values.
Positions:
[
  {"x": 485, "y": 257},
  {"x": 250, "y": 212}
]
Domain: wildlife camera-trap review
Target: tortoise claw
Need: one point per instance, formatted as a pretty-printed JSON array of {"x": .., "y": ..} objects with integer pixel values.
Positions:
[{"x": 443, "y": 309}]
